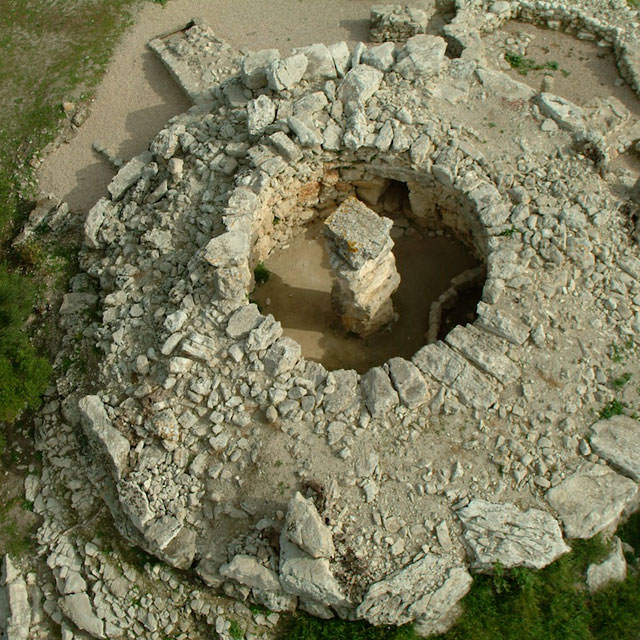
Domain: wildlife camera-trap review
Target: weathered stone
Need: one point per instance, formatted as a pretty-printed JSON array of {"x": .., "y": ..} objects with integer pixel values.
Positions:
[
  {"x": 128, "y": 175},
  {"x": 396, "y": 22},
  {"x": 287, "y": 72},
  {"x": 591, "y": 500},
  {"x": 617, "y": 440},
  {"x": 304, "y": 527},
  {"x": 248, "y": 571},
  {"x": 176, "y": 542},
  {"x": 286, "y": 147},
  {"x": 359, "y": 85},
  {"x": 254, "y": 66},
  {"x": 320, "y": 62},
  {"x": 473, "y": 345},
  {"x": 379, "y": 395},
  {"x": 15, "y": 610},
  {"x": 344, "y": 392},
  {"x": 228, "y": 249},
  {"x": 106, "y": 441},
  {"x": 77, "y": 302},
  {"x": 308, "y": 577},
  {"x": 264, "y": 335},
  {"x": 427, "y": 589},
  {"x": 565, "y": 113},
  {"x": 97, "y": 214},
  {"x": 500, "y": 84},
  {"x": 422, "y": 55},
  {"x": 135, "y": 504},
  {"x": 307, "y": 133},
  {"x": 439, "y": 362},
  {"x": 243, "y": 320},
  {"x": 474, "y": 389},
  {"x": 381, "y": 57},
  {"x": 501, "y": 324},
  {"x": 612, "y": 569},
  {"x": 281, "y": 356},
  {"x": 341, "y": 57},
  {"x": 409, "y": 382},
  {"x": 502, "y": 533},
  {"x": 261, "y": 112},
  {"x": 77, "y": 607}
]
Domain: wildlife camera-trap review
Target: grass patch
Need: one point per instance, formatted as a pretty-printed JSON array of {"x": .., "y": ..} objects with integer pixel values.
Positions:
[
  {"x": 613, "y": 408},
  {"x": 303, "y": 627},
  {"x": 620, "y": 381},
  {"x": 261, "y": 273},
  {"x": 524, "y": 65}
]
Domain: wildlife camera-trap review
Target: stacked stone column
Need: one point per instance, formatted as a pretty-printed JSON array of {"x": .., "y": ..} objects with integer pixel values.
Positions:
[{"x": 359, "y": 245}]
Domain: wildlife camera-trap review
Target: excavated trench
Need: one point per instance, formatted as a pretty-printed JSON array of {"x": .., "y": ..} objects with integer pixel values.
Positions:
[{"x": 428, "y": 257}]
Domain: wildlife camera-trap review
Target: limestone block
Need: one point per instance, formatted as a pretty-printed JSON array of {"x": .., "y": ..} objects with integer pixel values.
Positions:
[
  {"x": 248, "y": 571},
  {"x": 381, "y": 57},
  {"x": 612, "y": 569},
  {"x": 591, "y": 500},
  {"x": 500, "y": 84},
  {"x": 428, "y": 589},
  {"x": 308, "y": 577},
  {"x": 359, "y": 84},
  {"x": 281, "y": 356},
  {"x": 409, "y": 382},
  {"x": 107, "y": 441},
  {"x": 254, "y": 67},
  {"x": 502, "y": 533},
  {"x": 617, "y": 440},
  {"x": 244, "y": 320},
  {"x": 305, "y": 528},
  {"x": 261, "y": 112},
  {"x": 421, "y": 56},
  {"x": 566, "y": 114},
  {"x": 502, "y": 324},
  {"x": 379, "y": 395},
  {"x": 77, "y": 607},
  {"x": 128, "y": 175},
  {"x": 320, "y": 62},
  {"x": 287, "y": 72}
]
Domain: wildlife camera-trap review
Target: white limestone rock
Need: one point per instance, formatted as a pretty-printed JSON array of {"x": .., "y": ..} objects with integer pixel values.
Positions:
[
  {"x": 77, "y": 607},
  {"x": 612, "y": 569},
  {"x": 421, "y": 56},
  {"x": 426, "y": 590},
  {"x": 409, "y": 382},
  {"x": 501, "y": 324},
  {"x": 248, "y": 571},
  {"x": 287, "y": 72},
  {"x": 304, "y": 527},
  {"x": 617, "y": 440},
  {"x": 128, "y": 175},
  {"x": 254, "y": 67},
  {"x": 320, "y": 62},
  {"x": 514, "y": 538},
  {"x": 15, "y": 610},
  {"x": 379, "y": 395},
  {"x": 106, "y": 441},
  {"x": 307, "y": 577},
  {"x": 380, "y": 57},
  {"x": 244, "y": 320},
  {"x": 591, "y": 500},
  {"x": 359, "y": 84},
  {"x": 565, "y": 113},
  {"x": 500, "y": 84},
  {"x": 102, "y": 209},
  {"x": 261, "y": 112},
  {"x": 281, "y": 356}
]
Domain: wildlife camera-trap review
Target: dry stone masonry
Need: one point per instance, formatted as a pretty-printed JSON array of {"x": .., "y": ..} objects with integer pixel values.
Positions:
[
  {"x": 363, "y": 265},
  {"x": 206, "y": 438}
]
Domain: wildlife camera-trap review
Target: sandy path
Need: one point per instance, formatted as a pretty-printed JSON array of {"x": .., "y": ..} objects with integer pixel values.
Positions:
[{"x": 137, "y": 95}]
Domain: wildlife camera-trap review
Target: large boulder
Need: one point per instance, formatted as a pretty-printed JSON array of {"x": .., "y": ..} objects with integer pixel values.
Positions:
[
  {"x": 618, "y": 441},
  {"x": 304, "y": 527},
  {"x": 591, "y": 500},
  {"x": 514, "y": 538}
]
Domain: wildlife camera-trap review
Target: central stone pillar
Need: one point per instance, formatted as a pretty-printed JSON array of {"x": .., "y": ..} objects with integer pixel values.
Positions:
[{"x": 364, "y": 268}]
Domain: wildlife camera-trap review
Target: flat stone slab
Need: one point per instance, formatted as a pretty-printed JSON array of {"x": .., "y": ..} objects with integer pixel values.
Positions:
[
  {"x": 617, "y": 440},
  {"x": 358, "y": 233},
  {"x": 514, "y": 538},
  {"x": 591, "y": 500}
]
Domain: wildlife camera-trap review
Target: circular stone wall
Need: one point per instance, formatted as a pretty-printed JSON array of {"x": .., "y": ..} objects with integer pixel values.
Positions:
[{"x": 217, "y": 447}]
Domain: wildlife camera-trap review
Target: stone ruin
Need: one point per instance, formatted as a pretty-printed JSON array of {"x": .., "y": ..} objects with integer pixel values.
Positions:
[
  {"x": 218, "y": 448},
  {"x": 364, "y": 267}
]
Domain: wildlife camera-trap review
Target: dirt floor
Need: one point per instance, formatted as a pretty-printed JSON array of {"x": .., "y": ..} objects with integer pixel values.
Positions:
[
  {"x": 300, "y": 298},
  {"x": 138, "y": 95}
]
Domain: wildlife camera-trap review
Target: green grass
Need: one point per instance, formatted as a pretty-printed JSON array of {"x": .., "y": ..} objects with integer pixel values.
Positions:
[
  {"x": 620, "y": 381},
  {"x": 524, "y": 65},
  {"x": 261, "y": 273},
  {"x": 613, "y": 408}
]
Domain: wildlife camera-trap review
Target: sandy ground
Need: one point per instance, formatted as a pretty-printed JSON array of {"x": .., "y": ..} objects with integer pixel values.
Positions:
[{"x": 137, "y": 95}]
